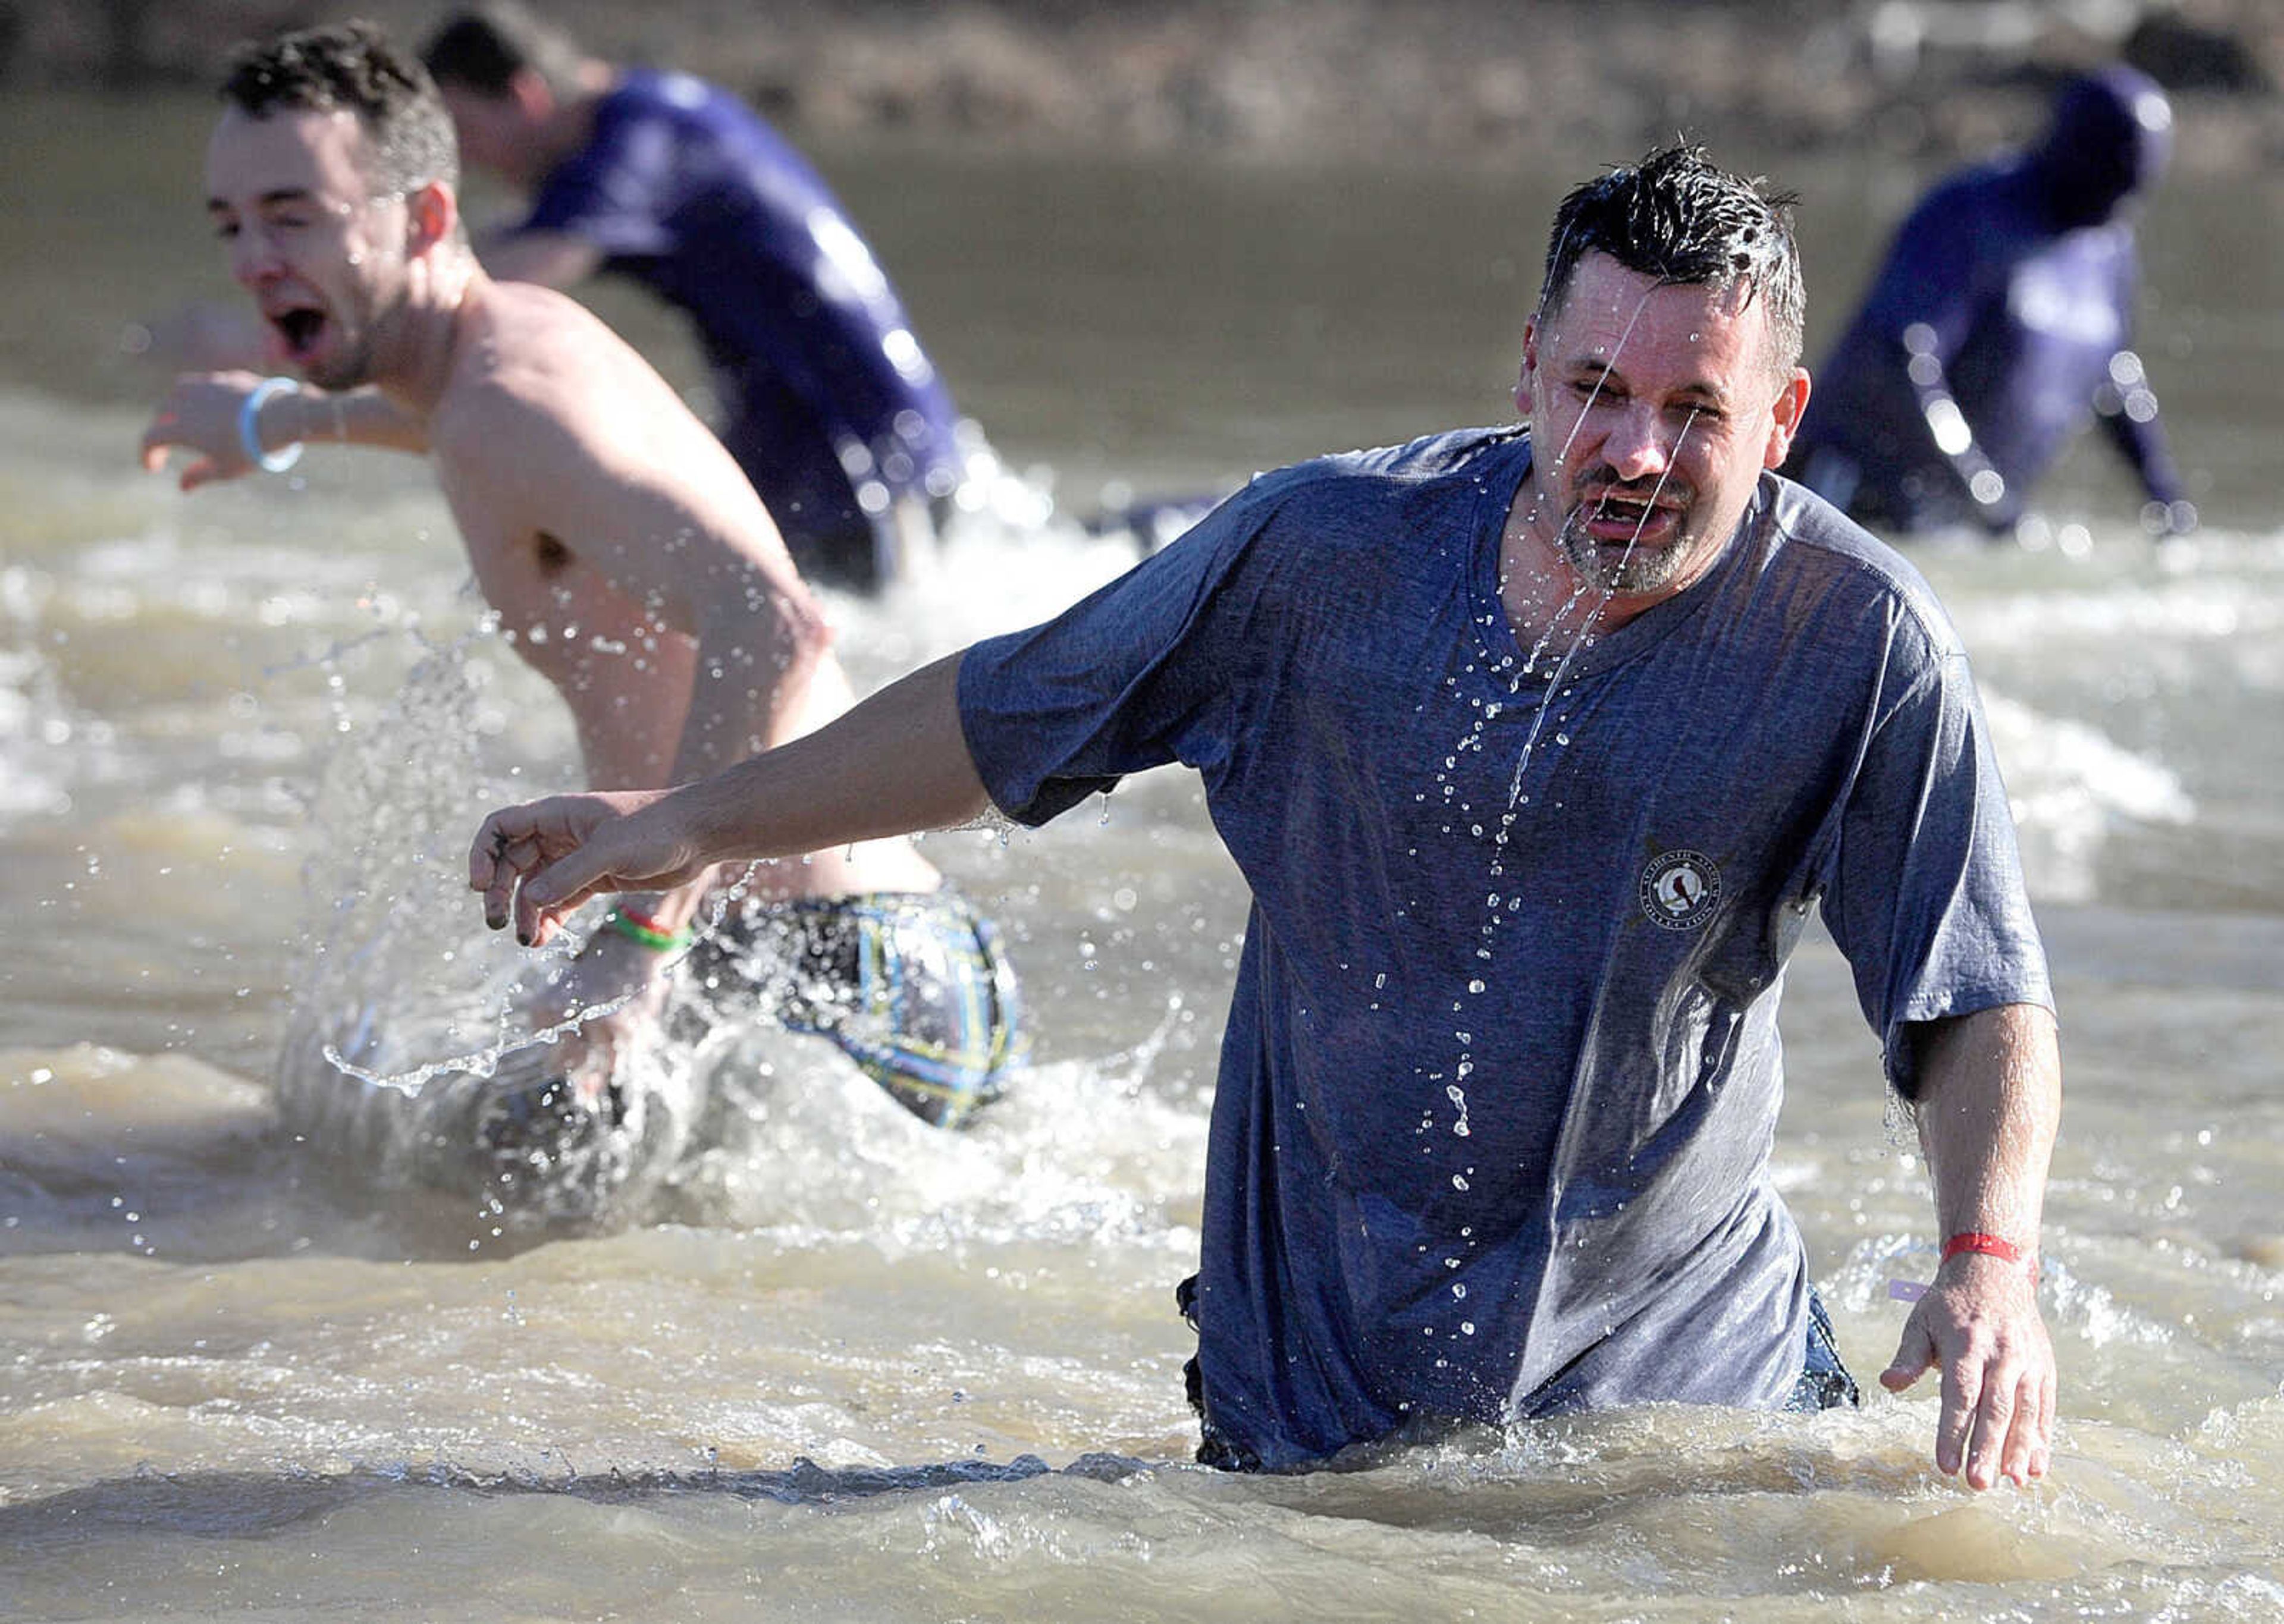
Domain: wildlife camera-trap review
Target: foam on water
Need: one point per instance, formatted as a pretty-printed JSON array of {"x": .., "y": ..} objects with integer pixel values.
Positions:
[
  {"x": 2129, "y": 597},
  {"x": 1007, "y": 565},
  {"x": 2132, "y": 694}
]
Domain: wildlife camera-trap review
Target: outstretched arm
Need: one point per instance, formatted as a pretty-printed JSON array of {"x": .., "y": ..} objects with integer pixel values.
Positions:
[
  {"x": 206, "y": 414},
  {"x": 552, "y": 259},
  {"x": 1989, "y": 1103},
  {"x": 896, "y": 764},
  {"x": 2127, "y": 409}
]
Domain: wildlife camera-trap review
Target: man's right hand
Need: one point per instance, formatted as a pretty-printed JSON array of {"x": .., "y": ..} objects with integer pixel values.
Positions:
[
  {"x": 540, "y": 860},
  {"x": 200, "y": 414}
]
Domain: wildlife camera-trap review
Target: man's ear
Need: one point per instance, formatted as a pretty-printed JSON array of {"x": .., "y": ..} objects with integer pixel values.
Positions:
[
  {"x": 1529, "y": 366},
  {"x": 1791, "y": 402},
  {"x": 432, "y": 213}
]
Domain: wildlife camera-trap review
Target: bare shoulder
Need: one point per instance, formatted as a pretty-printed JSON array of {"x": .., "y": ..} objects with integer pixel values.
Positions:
[
  {"x": 529, "y": 350},
  {"x": 535, "y": 362},
  {"x": 538, "y": 379},
  {"x": 552, "y": 419}
]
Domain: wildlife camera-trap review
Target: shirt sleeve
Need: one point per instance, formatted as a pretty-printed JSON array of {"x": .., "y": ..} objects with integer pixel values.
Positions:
[
  {"x": 613, "y": 192},
  {"x": 1926, "y": 896},
  {"x": 1150, "y": 669}
]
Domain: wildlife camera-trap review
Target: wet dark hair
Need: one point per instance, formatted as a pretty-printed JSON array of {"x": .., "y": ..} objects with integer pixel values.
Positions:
[
  {"x": 1676, "y": 216},
  {"x": 351, "y": 66},
  {"x": 482, "y": 48}
]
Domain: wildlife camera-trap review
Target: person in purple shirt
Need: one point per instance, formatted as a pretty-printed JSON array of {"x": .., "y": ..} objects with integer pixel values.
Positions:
[
  {"x": 827, "y": 399},
  {"x": 2000, "y": 320}
]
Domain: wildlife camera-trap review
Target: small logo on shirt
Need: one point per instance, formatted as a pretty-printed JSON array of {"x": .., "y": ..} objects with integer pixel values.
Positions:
[{"x": 1680, "y": 889}]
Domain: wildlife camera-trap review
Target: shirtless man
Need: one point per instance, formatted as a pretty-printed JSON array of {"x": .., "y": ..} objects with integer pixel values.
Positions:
[{"x": 629, "y": 560}]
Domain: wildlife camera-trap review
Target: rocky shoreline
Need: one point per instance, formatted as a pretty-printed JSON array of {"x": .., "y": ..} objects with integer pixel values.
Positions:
[{"x": 1482, "y": 80}]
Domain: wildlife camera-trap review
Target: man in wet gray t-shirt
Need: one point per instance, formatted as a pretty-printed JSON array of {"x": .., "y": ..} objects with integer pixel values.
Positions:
[
  {"x": 1502, "y": 1071},
  {"x": 1536, "y": 750}
]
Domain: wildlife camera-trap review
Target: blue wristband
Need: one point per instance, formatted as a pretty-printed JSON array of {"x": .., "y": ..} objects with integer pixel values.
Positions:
[{"x": 249, "y": 426}]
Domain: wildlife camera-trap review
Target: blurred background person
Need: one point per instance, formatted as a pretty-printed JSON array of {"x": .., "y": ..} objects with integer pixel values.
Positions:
[
  {"x": 2000, "y": 321},
  {"x": 827, "y": 401}
]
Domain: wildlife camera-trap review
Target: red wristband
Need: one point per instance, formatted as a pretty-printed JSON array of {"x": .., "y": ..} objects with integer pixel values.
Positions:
[{"x": 1990, "y": 1246}]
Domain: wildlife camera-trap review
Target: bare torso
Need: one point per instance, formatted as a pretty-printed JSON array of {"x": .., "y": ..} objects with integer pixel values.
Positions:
[{"x": 632, "y": 565}]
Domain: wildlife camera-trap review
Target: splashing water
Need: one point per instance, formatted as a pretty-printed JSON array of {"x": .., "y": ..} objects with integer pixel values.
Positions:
[
  {"x": 413, "y": 1055},
  {"x": 1577, "y": 630},
  {"x": 414, "y": 1022}
]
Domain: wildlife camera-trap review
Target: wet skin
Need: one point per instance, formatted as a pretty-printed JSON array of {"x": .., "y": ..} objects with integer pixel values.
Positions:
[{"x": 1655, "y": 408}]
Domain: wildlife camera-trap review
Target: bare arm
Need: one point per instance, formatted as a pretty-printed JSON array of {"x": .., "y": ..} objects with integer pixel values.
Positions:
[
  {"x": 200, "y": 414},
  {"x": 1988, "y": 1105},
  {"x": 896, "y": 764},
  {"x": 552, "y": 259}
]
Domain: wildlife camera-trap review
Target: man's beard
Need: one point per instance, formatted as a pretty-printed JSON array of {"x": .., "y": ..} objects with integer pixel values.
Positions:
[
  {"x": 345, "y": 368},
  {"x": 1627, "y": 567}
]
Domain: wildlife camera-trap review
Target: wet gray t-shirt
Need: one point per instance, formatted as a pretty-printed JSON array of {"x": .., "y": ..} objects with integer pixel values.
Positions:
[{"x": 1501, "y": 1070}]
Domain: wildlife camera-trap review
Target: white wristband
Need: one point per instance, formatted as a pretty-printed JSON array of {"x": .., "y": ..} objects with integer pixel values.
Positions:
[{"x": 249, "y": 426}]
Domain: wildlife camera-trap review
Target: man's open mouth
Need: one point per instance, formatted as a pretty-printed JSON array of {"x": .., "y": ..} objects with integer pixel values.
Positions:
[
  {"x": 299, "y": 328},
  {"x": 1613, "y": 516}
]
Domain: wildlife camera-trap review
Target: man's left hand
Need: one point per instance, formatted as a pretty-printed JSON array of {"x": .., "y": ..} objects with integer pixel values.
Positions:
[
  {"x": 1979, "y": 1326},
  {"x": 537, "y": 862}
]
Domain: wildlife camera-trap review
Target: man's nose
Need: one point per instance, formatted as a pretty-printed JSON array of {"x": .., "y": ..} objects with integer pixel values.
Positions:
[
  {"x": 1638, "y": 445},
  {"x": 253, "y": 257}
]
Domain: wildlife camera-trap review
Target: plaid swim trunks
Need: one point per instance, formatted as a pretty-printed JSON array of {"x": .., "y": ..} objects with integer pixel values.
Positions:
[{"x": 912, "y": 987}]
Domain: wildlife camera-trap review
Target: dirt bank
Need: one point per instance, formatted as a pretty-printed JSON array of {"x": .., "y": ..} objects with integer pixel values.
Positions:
[{"x": 1488, "y": 79}]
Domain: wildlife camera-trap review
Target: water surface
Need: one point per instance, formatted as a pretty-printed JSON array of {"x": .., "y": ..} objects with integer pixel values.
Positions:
[{"x": 847, "y": 1367}]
